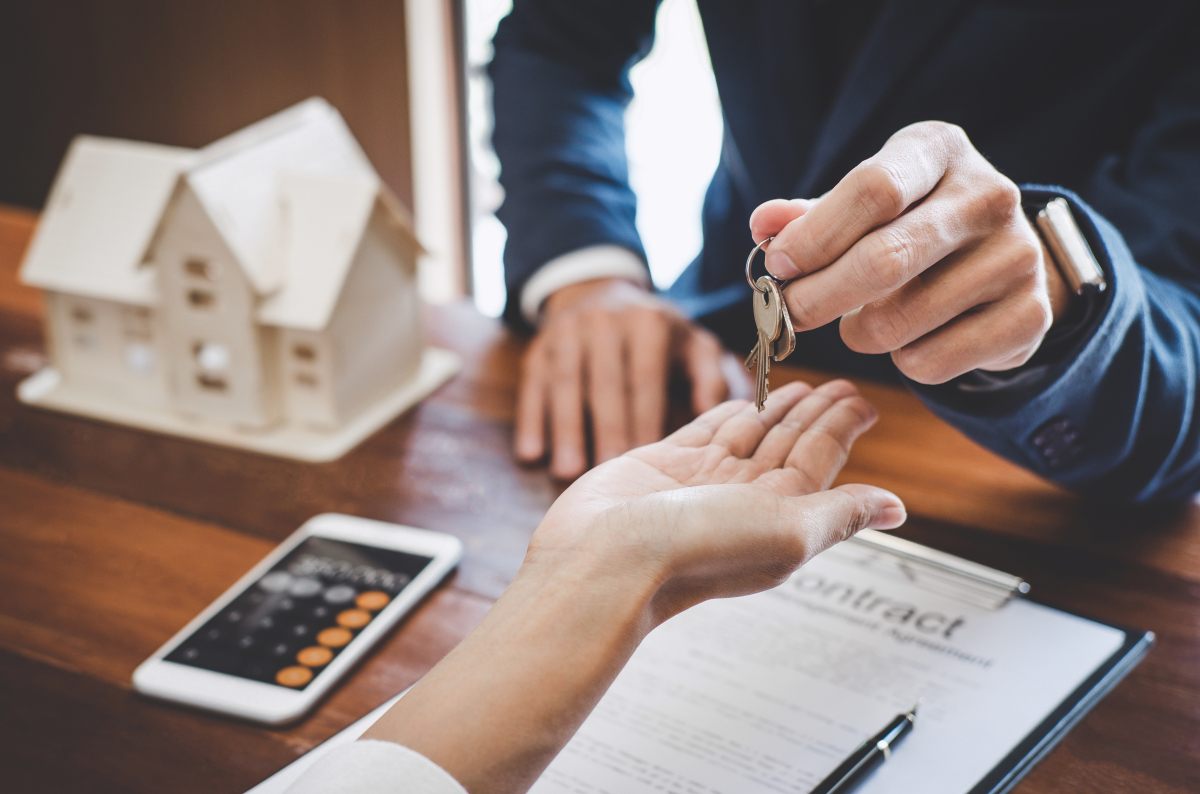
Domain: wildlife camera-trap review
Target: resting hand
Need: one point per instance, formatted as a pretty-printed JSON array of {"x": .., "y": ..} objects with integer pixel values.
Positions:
[
  {"x": 608, "y": 346},
  {"x": 924, "y": 252}
]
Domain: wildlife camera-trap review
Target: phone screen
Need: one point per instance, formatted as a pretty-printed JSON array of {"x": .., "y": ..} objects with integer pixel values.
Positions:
[{"x": 299, "y": 615}]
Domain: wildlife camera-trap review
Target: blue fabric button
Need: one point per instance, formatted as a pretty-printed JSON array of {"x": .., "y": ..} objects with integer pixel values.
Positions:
[{"x": 1057, "y": 441}]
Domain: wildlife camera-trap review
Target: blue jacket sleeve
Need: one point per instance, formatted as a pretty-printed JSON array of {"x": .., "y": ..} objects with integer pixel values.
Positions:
[
  {"x": 560, "y": 86},
  {"x": 1115, "y": 417}
]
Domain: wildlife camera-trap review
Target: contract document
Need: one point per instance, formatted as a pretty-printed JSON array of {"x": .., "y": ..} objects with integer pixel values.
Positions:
[{"x": 768, "y": 693}]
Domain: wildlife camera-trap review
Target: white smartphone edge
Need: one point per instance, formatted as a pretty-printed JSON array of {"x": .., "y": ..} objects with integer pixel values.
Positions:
[{"x": 270, "y": 703}]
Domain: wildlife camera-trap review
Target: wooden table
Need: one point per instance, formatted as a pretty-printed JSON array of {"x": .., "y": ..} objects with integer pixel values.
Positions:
[{"x": 111, "y": 539}]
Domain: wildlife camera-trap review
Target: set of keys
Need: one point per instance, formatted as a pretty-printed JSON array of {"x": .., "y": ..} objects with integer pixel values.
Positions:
[{"x": 776, "y": 337}]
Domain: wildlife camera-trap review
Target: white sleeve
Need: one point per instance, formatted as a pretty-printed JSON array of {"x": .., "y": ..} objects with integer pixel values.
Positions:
[
  {"x": 369, "y": 766},
  {"x": 585, "y": 264}
]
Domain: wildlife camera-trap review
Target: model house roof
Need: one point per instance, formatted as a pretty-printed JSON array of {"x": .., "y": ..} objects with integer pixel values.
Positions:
[
  {"x": 238, "y": 178},
  {"x": 324, "y": 218},
  {"x": 290, "y": 195},
  {"x": 106, "y": 202}
]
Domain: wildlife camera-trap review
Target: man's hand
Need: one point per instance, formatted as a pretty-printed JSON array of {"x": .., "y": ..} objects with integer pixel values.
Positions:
[
  {"x": 606, "y": 347},
  {"x": 924, "y": 252}
]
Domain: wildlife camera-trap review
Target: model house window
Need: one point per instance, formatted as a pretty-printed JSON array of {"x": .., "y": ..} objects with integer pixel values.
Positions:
[
  {"x": 304, "y": 352},
  {"x": 139, "y": 357},
  {"x": 211, "y": 382},
  {"x": 83, "y": 317},
  {"x": 211, "y": 356},
  {"x": 202, "y": 268},
  {"x": 137, "y": 323},
  {"x": 201, "y": 298},
  {"x": 214, "y": 360}
]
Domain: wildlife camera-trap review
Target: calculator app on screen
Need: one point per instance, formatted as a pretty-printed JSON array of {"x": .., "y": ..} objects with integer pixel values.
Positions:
[{"x": 292, "y": 622}]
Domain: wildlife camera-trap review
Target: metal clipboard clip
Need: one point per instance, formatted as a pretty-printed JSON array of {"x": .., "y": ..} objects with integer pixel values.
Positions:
[{"x": 935, "y": 570}]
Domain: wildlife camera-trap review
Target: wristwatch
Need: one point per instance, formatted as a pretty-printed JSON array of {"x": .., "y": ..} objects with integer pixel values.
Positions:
[{"x": 1068, "y": 248}]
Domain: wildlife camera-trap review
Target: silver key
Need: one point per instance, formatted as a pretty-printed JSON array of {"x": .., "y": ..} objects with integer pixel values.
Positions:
[{"x": 769, "y": 318}]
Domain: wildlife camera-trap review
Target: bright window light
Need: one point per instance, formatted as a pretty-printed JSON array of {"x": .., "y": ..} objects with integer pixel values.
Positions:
[
  {"x": 673, "y": 134},
  {"x": 673, "y": 140}
]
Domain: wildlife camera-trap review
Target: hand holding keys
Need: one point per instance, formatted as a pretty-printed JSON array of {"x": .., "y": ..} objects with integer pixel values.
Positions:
[{"x": 776, "y": 338}]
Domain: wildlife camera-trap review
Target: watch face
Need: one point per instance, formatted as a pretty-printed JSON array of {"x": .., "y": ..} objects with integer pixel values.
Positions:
[
  {"x": 1068, "y": 248},
  {"x": 290, "y": 624}
]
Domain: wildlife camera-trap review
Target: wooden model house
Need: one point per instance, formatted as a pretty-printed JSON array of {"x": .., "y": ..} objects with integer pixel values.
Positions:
[{"x": 259, "y": 292}]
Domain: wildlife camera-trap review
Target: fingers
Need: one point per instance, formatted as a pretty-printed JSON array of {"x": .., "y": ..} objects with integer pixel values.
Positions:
[
  {"x": 609, "y": 356},
  {"x": 741, "y": 432},
  {"x": 877, "y": 191},
  {"x": 702, "y": 360},
  {"x": 874, "y": 267},
  {"x": 822, "y": 449},
  {"x": 1000, "y": 336},
  {"x": 771, "y": 216},
  {"x": 648, "y": 349},
  {"x": 738, "y": 421},
  {"x": 977, "y": 222},
  {"x": 959, "y": 283},
  {"x": 814, "y": 438},
  {"x": 568, "y": 458},
  {"x": 829, "y": 517},
  {"x": 700, "y": 431},
  {"x": 605, "y": 364},
  {"x": 530, "y": 441}
]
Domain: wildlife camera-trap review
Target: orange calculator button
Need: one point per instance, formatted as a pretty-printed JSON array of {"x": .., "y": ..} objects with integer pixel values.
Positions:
[
  {"x": 334, "y": 637},
  {"x": 373, "y": 600},
  {"x": 354, "y": 618},
  {"x": 294, "y": 676},
  {"x": 315, "y": 656}
]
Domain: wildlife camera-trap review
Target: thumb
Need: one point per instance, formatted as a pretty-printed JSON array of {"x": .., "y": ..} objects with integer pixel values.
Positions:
[
  {"x": 771, "y": 216},
  {"x": 829, "y": 517}
]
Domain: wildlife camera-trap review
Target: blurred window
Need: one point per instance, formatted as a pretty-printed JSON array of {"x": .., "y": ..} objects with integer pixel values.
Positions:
[{"x": 673, "y": 140}]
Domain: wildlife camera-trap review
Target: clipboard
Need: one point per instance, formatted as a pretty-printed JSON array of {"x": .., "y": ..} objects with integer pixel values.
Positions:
[
  {"x": 1038, "y": 744},
  {"x": 884, "y": 562},
  {"x": 986, "y": 586}
]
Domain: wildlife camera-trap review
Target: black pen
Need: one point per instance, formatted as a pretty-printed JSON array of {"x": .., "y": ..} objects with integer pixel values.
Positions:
[{"x": 869, "y": 755}]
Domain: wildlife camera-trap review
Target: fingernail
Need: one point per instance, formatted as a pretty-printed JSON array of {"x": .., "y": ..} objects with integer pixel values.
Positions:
[
  {"x": 890, "y": 517},
  {"x": 528, "y": 448},
  {"x": 568, "y": 463},
  {"x": 781, "y": 266}
]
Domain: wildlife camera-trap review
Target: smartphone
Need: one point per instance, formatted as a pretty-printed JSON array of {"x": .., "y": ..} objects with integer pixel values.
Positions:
[{"x": 275, "y": 642}]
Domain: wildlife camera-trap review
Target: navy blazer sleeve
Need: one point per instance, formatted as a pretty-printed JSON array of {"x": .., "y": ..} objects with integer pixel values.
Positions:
[
  {"x": 1116, "y": 417},
  {"x": 565, "y": 176}
]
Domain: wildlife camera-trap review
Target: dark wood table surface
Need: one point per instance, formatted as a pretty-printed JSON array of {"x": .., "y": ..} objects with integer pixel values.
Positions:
[{"x": 111, "y": 539}]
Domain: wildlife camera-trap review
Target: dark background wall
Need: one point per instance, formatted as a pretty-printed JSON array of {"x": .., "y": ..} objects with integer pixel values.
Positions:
[{"x": 186, "y": 72}]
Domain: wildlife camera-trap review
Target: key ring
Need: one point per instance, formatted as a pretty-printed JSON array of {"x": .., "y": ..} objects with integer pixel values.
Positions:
[{"x": 750, "y": 264}]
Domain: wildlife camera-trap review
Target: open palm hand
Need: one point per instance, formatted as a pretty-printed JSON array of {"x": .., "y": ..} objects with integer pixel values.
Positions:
[{"x": 732, "y": 503}]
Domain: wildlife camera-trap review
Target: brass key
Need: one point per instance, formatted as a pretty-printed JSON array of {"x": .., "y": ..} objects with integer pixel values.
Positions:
[
  {"x": 785, "y": 345},
  {"x": 769, "y": 316},
  {"x": 776, "y": 337}
]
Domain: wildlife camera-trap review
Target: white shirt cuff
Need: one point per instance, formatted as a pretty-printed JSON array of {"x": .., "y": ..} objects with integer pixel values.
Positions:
[
  {"x": 585, "y": 264},
  {"x": 369, "y": 766}
]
